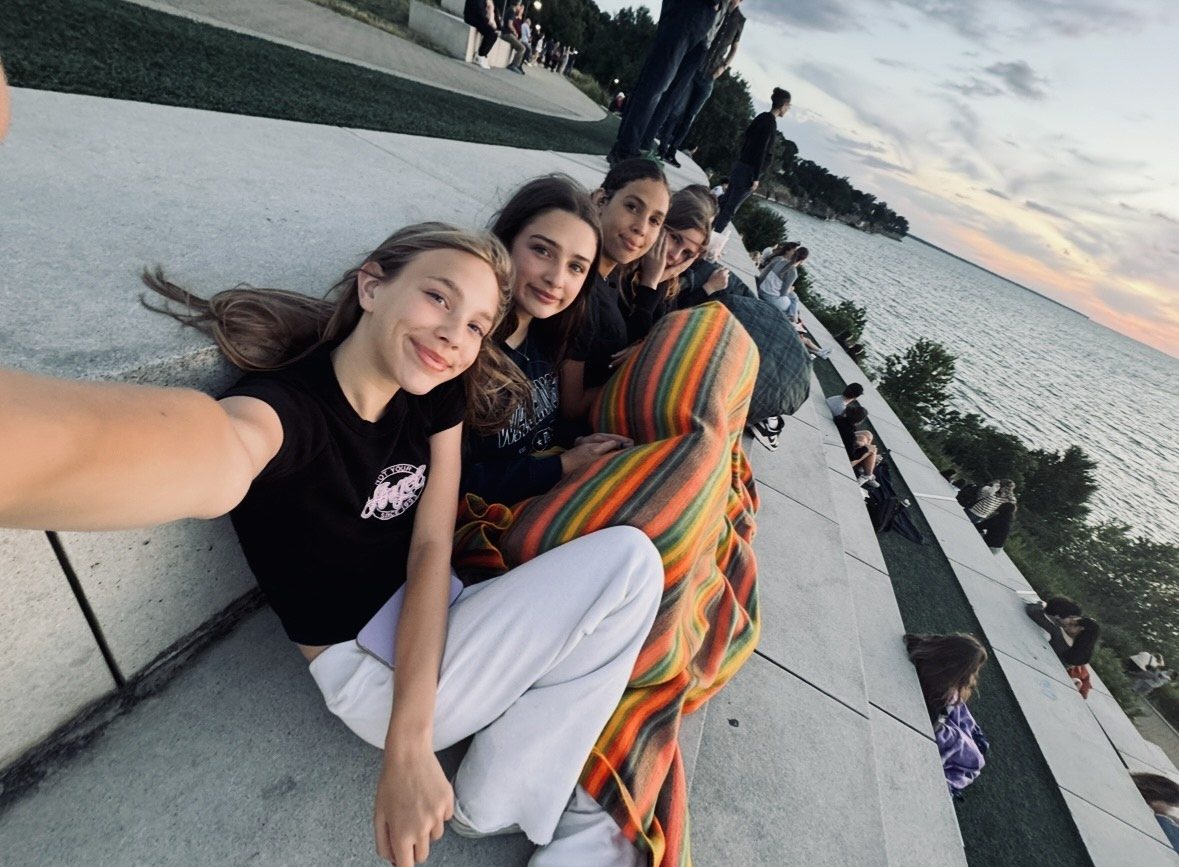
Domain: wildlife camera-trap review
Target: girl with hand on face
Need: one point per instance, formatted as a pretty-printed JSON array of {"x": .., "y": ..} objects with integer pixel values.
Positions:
[
  {"x": 550, "y": 227},
  {"x": 650, "y": 289},
  {"x": 338, "y": 456},
  {"x": 632, "y": 204}
]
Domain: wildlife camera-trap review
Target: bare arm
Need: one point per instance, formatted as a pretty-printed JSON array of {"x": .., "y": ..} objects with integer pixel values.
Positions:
[
  {"x": 414, "y": 798},
  {"x": 102, "y": 456}
]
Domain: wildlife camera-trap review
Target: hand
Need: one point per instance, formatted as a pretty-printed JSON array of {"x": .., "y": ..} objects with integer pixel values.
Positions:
[
  {"x": 589, "y": 448},
  {"x": 414, "y": 800},
  {"x": 651, "y": 266},
  {"x": 718, "y": 280},
  {"x": 623, "y": 354},
  {"x": 755, "y": 185}
]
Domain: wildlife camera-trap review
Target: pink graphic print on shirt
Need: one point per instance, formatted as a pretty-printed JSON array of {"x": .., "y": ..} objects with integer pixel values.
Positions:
[{"x": 397, "y": 489}]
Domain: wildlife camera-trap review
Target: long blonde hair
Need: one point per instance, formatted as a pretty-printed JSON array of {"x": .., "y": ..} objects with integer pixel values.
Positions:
[{"x": 268, "y": 329}]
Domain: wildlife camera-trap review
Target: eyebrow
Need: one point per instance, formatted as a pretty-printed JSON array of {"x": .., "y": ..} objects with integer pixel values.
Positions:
[
  {"x": 644, "y": 203},
  {"x": 454, "y": 287},
  {"x": 549, "y": 240}
]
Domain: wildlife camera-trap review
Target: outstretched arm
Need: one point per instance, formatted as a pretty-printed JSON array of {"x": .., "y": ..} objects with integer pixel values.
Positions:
[
  {"x": 104, "y": 456},
  {"x": 414, "y": 798}
]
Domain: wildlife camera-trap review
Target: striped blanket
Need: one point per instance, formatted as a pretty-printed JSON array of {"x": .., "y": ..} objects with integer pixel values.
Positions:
[{"x": 682, "y": 398}]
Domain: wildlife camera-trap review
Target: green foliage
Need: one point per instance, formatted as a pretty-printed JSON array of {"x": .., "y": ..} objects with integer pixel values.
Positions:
[
  {"x": 610, "y": 47},
  {"x": 760, "y": 227},
  {"x": 589, "y": 86},
  {"x": 845, "y": 318},
  {"x": 917, "y": 382},
  {"x": 719, "y": 127},
  {"x": 1108, "y": 665},
  {"x": 817, "y": 191},
  {"x": 980, "y": 451}
]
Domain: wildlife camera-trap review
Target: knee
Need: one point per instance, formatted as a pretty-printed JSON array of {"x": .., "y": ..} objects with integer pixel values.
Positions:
[{"x": 638, "y": 561}]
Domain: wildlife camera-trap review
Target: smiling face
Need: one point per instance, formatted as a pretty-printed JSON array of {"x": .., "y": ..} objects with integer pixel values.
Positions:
[
  {"x": 425, "y": 325},
  {"x": 684, "y": 247},
  {"x": 552, "y": 254},
  {"x": 631, "y": 221}
]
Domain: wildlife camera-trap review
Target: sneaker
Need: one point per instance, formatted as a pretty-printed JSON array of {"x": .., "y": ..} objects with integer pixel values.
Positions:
[
  {"x": 825, "y": 353},
  {"x": 767, "y": 432},
  {"x": 481, "y": 61},
  {"x": 672, "y": 161},
  {"x": 867, "y": 481}
]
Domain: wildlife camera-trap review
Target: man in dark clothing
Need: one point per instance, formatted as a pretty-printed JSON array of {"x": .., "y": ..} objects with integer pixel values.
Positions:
[
  {"x": 475, "y": 13},
  {"x": 1061, "y": 617},
  {"x": 756, "y": 149},
  {"x": 683, "y": 26},
  {"x": 682, "y": 103},
  {"x": 846, "y": 424}
]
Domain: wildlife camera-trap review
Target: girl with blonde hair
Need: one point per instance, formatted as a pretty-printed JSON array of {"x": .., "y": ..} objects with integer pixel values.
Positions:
[{"x": 337, "y": 456}]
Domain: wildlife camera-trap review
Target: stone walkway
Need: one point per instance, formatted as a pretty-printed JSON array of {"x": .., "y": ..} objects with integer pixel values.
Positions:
[{"x": 314, "y": 28}]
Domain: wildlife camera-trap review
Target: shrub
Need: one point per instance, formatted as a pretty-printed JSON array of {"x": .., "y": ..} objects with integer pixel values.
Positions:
[
  {"x": 759, "y": 226},
  {"x": 917, "y": 383},
  {"x": 589, "y": 86}
]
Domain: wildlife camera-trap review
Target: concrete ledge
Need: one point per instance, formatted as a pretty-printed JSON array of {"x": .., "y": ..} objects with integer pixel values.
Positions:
[
  {"x": 449, "y": 32},
  {"x": 51, "y": 667}
]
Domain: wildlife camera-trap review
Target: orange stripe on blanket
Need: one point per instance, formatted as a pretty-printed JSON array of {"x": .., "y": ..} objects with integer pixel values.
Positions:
[{"x": 687, "y": 484}]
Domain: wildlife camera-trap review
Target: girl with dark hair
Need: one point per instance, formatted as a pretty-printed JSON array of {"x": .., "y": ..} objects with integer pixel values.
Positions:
[
  {"x": 550, "y": 227},
  {"x": 686, "y": 231},
  {"x": 1162, "y": 795},
  {"x": 947, "y": 668},
  {"x": 337, "y": 455},
  {"x": 632, "y": 204}
]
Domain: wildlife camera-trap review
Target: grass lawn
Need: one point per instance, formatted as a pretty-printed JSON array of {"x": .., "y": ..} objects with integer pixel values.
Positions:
[
  {"x": 1013, "y": 814},
  {"x": 120, "y": 50}
]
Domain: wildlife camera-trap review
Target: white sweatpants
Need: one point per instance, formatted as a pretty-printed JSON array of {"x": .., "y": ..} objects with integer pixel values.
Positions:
[{"x": 536, "y": 660}]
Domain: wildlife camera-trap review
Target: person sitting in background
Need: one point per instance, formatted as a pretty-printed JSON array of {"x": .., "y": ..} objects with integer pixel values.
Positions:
[
  {"x": 1162, "y": 795},
  {"x": 480, "y": 14},
  {"x": 996, "y": 528},
  {"x": 720, "y": 189},
  {"x": 776, "y": 282},
  {"x": 948, "y": 667},
  {"x": 990, "y": 498},
  {"x": 510, "y": 31},
  {"x": 846, "y": 424},
  {"x": 812, "y": 347},
  {"x": 1073, "y": 636},
  {"x": 850, "y": 395},
  {"x": 864, "y": 459}
]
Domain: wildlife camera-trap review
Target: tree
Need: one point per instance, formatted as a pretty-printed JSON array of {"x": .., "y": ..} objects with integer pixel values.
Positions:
[
  {"x": 721, "y": 124},
  {"x": 917, "y": 382},
  {"x": 1059, "y": 485}
]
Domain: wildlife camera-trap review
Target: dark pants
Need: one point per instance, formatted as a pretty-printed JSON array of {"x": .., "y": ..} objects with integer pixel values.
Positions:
[
  {"x": 486, "y": 30},
  {"x": 741, "y": 178},
  {"x": 682, "y": 25},
  {"x": 675, "y": 95},
  {"x": 679, "y": 124}
]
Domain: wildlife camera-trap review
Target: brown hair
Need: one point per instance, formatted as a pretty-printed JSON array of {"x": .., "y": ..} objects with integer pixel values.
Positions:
[
  {"x": 947, "y": 666},
  {"x": 268, "y": 329},
  {"x": 693, "y": 207},
  {"x": 1156, "y": 787},
  {"x": 537, "y": 197}
]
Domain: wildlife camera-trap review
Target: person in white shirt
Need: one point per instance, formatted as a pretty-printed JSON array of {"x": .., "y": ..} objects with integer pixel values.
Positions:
[{"x": 840, "y": 402}]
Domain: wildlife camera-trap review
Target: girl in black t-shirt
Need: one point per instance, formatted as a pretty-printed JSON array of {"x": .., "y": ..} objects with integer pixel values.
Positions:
[
  {"x": 632, "y": 204},
  {"x": 339, "y": 456},
  {"x": 550, "y": 227}
]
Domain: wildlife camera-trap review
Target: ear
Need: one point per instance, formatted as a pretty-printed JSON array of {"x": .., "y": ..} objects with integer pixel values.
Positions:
[
  {"x": 599, "y": 197},
  {"x": 368, "y": 279}
]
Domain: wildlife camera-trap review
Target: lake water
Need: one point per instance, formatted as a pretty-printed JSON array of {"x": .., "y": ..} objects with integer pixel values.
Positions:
[{"x": 1033, "y": 368}]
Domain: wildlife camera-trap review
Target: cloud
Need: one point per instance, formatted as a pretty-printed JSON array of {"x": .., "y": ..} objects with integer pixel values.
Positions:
[
  {"x": 894, "y": 64},
  {"x": 1044, "y": 209},
  {"x": 832, "y": 16},
  {"x": 1019, "y": 78},
  {"x": 997, "y": 194},
  {"x": 974, "y": 87}
]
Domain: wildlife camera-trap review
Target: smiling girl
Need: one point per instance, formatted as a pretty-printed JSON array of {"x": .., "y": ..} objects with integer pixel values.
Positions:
[
  {"x": 632, "y": 204},
  {"x": 550, "y": 227},
  {"x": 337, "y": 455}
]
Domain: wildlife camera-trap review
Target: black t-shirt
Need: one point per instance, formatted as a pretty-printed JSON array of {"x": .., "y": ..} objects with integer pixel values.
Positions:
[
  {"x": 847, "y": 433},
  {"x": 602, "y": 334},
  {"x": 326, "y": 525},
  {"x": 502, "y": 467},
  {"x": 757, "y": 146}
]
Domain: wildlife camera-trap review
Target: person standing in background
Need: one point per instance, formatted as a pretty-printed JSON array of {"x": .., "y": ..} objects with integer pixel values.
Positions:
[
  {"x": 672, "y": 124},
  {"x": 683, "y": 25},
  {"x": 756, "y": 149}
]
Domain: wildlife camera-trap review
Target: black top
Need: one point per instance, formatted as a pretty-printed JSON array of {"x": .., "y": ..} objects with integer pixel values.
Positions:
[
  {"x": 847, "y": 433},
  {"x": 1080, "y": 652},
  {"x": 603, "y": 332},
  {"x": 503, "y": 467},
  {"x": 729, "y": 32},
  {"x": 758, "y": 145},
  {"x": 326, "y": 525},
  {"x": 642, "y": 307}
]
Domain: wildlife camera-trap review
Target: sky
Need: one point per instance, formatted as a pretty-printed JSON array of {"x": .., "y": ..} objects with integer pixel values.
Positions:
[{"x": 1038, "y": 138}]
